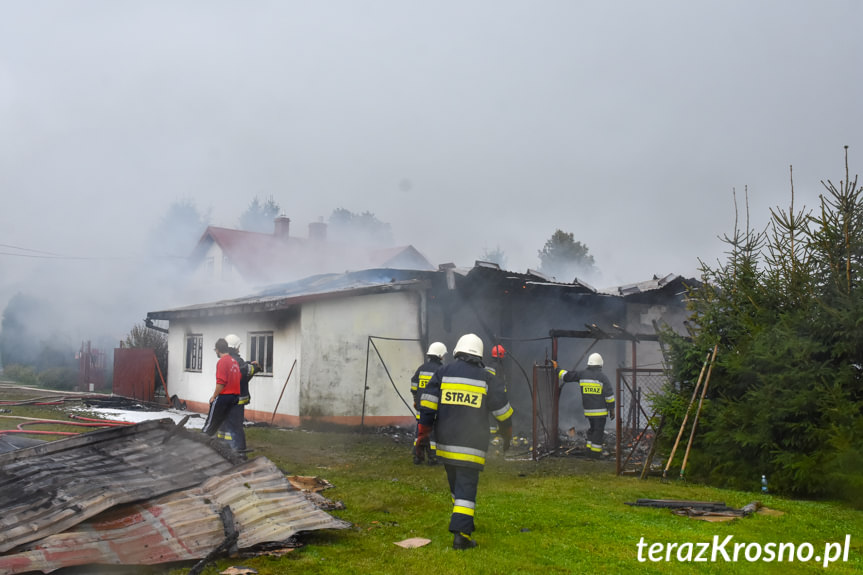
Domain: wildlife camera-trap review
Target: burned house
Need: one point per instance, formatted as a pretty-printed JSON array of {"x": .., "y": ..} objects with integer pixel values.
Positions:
[{"x": 341, "y": 348}]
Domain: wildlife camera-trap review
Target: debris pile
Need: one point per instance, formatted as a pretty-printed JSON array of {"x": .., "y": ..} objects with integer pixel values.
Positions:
[
  {"x": 142, "y": 494},
  {"x": 713, "y": 511}
]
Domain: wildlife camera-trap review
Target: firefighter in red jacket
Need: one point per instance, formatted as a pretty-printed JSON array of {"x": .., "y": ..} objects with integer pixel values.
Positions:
[
  {"x": 456, "y": 404},
  {"x": 232, "y": 429},
  {"x": 227, "y": 390},
  {"x": 597, "y": 398},
  {"x": 419, "y": 381}
]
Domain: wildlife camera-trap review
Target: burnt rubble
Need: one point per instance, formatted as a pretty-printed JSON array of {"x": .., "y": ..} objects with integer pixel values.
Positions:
[{"x": 164, "y": 491}]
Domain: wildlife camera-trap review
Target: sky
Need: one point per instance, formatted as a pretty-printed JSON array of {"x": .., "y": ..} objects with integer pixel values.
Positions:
[{"x": 468, "y": 126}]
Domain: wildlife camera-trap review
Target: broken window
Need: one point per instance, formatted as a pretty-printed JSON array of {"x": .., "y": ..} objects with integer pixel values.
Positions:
[
  {"x": 194, "y": 349},
  {"x": 261, "y": 350}
]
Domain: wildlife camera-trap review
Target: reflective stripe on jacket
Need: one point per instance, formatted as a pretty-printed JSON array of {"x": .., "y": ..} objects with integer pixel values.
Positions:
[
  {"x": 422, "y": 375},
  {"x": 597, "y": 396},
  {"x": 457, "y": 402}
]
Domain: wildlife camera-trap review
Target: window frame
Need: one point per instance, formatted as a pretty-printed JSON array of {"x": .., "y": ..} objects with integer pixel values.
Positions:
[
  {"x": 194, "y": 355},
  {"x": 264, "y": 356}
]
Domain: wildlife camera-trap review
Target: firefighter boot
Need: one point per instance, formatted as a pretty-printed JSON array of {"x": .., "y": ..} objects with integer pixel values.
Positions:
[
  {"x": 463, "y": 541},
  {"x": 419, "y": 455}
]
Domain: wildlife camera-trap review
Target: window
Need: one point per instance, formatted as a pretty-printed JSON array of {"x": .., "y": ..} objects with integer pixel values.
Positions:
[
  {"x": 194, "y": 349},
  {"x": 261, "y": 350},
  {"x": 226, "y": 268},
  {"x": 210, "y": 265}
]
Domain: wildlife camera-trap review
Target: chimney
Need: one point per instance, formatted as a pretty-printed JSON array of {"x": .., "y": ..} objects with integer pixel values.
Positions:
[
  {"x": 281, "y": 227},
  {"x": 318, "y": 231}
]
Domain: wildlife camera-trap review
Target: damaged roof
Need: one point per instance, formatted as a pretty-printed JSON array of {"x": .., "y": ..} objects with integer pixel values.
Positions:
[
  {"x": 142, "y": 494},
  {"x": 48, "y": 488},
  {"x": 448, "y": 276},
  {"x": 370, "y": 281},
  {"x": 644, "y": 291},
  {"x": 182, "y": 526},
  {"x": 283, "y": 296}
]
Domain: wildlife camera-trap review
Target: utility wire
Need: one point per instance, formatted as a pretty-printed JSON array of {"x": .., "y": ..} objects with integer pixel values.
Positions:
[
  {"x": 38, "y": 254},
  {"x": 11, "y": 247}
]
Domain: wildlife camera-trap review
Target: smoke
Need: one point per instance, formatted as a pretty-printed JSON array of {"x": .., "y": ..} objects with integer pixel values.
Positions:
[{"x": 627, "y": 125}]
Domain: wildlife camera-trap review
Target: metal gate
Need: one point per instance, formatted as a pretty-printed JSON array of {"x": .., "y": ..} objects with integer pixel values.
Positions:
[
  {"x": 546, "y": 397},
  {"x": 637, "y": 424}
]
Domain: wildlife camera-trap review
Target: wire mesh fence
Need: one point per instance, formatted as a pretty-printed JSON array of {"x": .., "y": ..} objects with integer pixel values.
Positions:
[
  {"x": 546, "y": 399},
  {"x": 638, "y": 422}
]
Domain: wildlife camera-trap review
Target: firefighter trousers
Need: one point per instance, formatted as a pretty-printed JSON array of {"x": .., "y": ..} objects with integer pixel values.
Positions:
[
  {"x": 463, "y": 483},
  {"x": 219, "y": 411},
  {"x": 232, "y": 429},
  {"x": 596, "y": 433}
]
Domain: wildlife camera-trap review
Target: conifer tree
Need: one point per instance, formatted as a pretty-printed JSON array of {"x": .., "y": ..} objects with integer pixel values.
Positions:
[{"x": 786, "y": 394}]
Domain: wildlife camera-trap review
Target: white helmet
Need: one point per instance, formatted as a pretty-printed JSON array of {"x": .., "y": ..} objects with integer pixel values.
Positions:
[
  {"x": 437, "y": 349},
  {"x": 233, "y": 341},
  {"x": 470, "y": 344},
  {"x": 595, "y": 359}
]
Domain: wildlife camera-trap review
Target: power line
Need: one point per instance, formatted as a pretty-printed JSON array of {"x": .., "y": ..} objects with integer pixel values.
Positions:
[
  {"x": 28, "y": 250},
  {"x": 40, "y": 254}
]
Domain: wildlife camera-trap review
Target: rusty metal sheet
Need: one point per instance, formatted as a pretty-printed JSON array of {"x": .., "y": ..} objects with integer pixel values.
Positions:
[
  {"x": 50, "y": 487},
  {"x": 182, "y": 526},
  {"x": 135, "y": 373}
]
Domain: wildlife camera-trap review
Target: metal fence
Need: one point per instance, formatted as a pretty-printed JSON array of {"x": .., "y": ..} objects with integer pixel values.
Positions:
[
  {"x": 546, "y": 400},
  {"x": 637, "y": 420},
  {"x": 636, "y": 424}
]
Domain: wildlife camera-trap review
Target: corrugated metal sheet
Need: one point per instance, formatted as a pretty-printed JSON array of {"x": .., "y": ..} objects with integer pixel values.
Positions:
[
  {"x": 669, "y": 285},
  {"x": 182, "y": 526},
  {"x": 51, "y": 487}
]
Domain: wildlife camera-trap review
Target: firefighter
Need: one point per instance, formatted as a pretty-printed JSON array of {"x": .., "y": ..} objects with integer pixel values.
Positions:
[
  {"x": 597, "y": 398},
  {"x": 455, "y": 405},
  {"x": 419, "y": 381},
  {"x": 227, "y": 389},
  {"x": 232, "y": 430},
  {"x": 498, "y": 353}
]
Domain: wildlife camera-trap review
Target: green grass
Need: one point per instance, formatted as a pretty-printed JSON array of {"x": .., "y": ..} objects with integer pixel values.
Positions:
[{"x": 558, "y": 515}]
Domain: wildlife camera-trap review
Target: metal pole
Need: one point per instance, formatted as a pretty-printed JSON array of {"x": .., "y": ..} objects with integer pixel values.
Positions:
[
  {"x": 293, "y": 365},
  {"x": 365, "y": 386},
  {"x": 617, "y": 426},
  {"x": 533, "y": 398}
]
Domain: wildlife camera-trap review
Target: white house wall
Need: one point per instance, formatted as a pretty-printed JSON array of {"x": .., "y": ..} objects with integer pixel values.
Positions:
[
  {"x": 335, "y": 347},
  {"x": 264, "y": 389},
  {"x": 195, "y": 388}
]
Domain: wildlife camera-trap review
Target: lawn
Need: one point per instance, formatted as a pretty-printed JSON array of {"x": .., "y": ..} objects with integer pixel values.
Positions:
[{"x": 557, "y": 515}]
